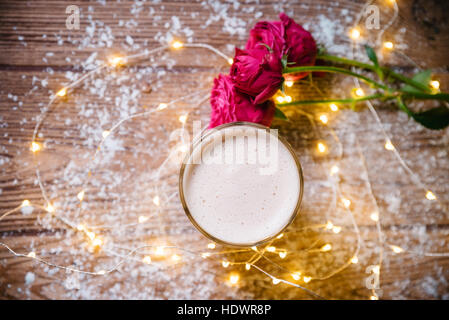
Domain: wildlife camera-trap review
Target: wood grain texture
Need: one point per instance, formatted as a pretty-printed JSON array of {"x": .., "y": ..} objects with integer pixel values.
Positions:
[{"x": 407, "y": 218}]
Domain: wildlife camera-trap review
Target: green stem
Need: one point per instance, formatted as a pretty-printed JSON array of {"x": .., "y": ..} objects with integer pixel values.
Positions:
[
  {"x": 425, "y": 96},
  {"x": 387, "y": 71},
  {"x": 335, "y": 70},
  {"x": 349, "y": 100}
]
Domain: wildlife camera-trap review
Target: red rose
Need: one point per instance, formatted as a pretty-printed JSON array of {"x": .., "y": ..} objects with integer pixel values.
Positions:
[
  {"x": 270, "y": 33},
  {"x": 300, "y": 46},
  {"x": 257, "y": 73},
  {"x": 228, "y": 105}
]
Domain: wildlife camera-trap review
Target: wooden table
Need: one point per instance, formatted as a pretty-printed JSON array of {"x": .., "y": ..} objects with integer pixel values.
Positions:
[{"x": 39, "y": 55}]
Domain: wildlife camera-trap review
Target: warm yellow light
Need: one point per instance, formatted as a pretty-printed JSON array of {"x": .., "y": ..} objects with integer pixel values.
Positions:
[
  {"x": 230, "y": 61},
  {"x": 354, "y": 34},
  {"x": 334, "y": 170},
  {"x": 282, "y": 254},
  {"x": 205, "y": 255},
  {"x": 389, "y": 145},
  {"x": 176, "y": 257},
  {"x": 62, "y": 92},
  {"x": 80, "y": 195},
  {"x": 435, "y": 84},
  {"x": 101, "y": 272},
  {"x": 116, "y": 61},
  {"x": 333, "y": 107},
  {"x": 289, "y": 83},
  {"x": 354, "y": 259},
  {"x": 160, "y": 251},
  {"x": 225, "y": 264},
  {"x": 280, "y": 99},
  {"x": 321, "y": 147},
  {"x": 388, "y": 45},
  {"x": 247, "y": 266},
  {"x": 25, "y": 203},
  {"x": 97, "y": 242},
  {"x": 359, "y": 92},
  {"x": 374, "y": 216},
  {"x": 336, "y": 229},
  {"x": 296, "y": 276},
  {"x": 105, "y": 133},
  {"x": 177, "y": 45},
  {"x": 142, "y": 219},
  {"x": 81, "y": 227},
  {"x": 324, "y": 119},
  {"x": 254, "y": 248},
  {"x": 430, "y": 195},
  {"x": 183, "y": 118},
  {"x": 374, "y": 298},
  {"x": 32, "y": 254},
  {"x": 376, "y": 269},
  {"x": 35, "y": 146},
  {"x": 146, "y": 259},
  {"x": 49, "y": 208},
  {"x": 276, "y": 280},
  {"x": 307, "y": 279},
  {"x": 329, "y": 225},
  {"x": 162, "y": 106},
  {"x": 288, "y": 99},
  {"x": 396, "y": 249},
  {"x": 234, "y": 278},
  {"x": 280, "y": 236},
  {"x": 211, "y": 245},
  {"x": 346, "y": 202},
  {"x": 326, "y": 247},
  {"x": 90, "y": 235},
  {"x": 271, "y": 249},
  {"x": 184, "y": 148},
  {"x": 156, "y": 200}
]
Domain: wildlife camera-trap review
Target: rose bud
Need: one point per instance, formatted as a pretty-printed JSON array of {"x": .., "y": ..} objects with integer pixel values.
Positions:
[
  {"x": 270, "y": 33},
  {"x": 257, "y": 72},
  {"x": 229, "y": 105}
]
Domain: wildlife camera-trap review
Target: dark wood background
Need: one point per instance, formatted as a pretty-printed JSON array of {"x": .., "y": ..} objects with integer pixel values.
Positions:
[{"x": 407, "y": 218}]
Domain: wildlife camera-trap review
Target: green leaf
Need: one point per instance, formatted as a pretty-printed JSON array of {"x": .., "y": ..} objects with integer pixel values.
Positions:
[
  {"x": 373, "y": 57},
  {"x": 422, "y": 77},
  {"x": 279, "y": 114},
  {"x": 436, "y": 118}
]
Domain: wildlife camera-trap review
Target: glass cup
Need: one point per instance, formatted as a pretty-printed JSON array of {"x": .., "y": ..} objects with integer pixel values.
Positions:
[{"x": 198, "y": 143}]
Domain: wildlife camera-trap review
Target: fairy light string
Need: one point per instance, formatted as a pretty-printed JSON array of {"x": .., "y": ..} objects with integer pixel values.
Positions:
[{"x": 96, "y": 240}]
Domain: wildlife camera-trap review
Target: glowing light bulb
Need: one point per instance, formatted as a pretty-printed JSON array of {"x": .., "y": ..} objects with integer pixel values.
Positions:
[
  {"x": 321, "y": 147},
  {"x": 211, "y": 245},
  {"x": 97, "y": 242},
  {"x": 276, "y": 280},
  {"x": 430, "y": 195},
  {"x": 296, "y": 276},
  {"x": 142, "y": 219},
  {"x": 183, "y": 118},
  {"x": 329, "y": 225},
  {"x": 396, "y": 249},
  {"x": 162, "y": 106},
  {"x": 388, "y": 45},
  {"x": 346, "y": 202},
  {"x": 32, "y": 254},
  {"x": 354, "y": 259},
  {"x": 282, "y": 254},
  {"x": 374, "y": 216},
  {"x": 359, "y": 92},
  {"x": 334, "y": 170},
  {"x": 389, "y": 145},
  {"x": 324, "y": 119},
  {"x": 280, "y": 99},
  {"x": 289, "y": 83},
  {"x": 354, "y": 34},
  {"x": 105, "y": 133},
  {"x": 280, "y": 236},
  {"x": 146, "y": 259},
  {"x": 271, "y": 249},
  {"x": 26, "y": 203},
  {"x": 101, "y": 272},
  {"x": 376, "y": 269},
  {"x": 81, "y": 227},
  {"x": 177, "y": 45},
  {"x": 160, "y": 251},
  {"x": 336, "y": 229},
  {"x": 176, "y": 257},
  {"x": 116, "y": 61},
  {"x": 288, "y": 99},
  {"x": 374, "y": 298},
  {"x": 90, "y": 235},
  {"x": 333, "y": 107},
  {"x": 156, "y": 200},
  {"x": 234, "y": 278},
  {"x": 307, "y": 279},
  {"x": 35, "y": 146},
  {"x": 62, "y": 92},
  {"x": 205, "y": 255},
  {"x": 49, "y": 208},
  {"x": 225, "y": 264},
  {"x": 254, "y": 248},
  {"x": 80, "y": 195},
  {"x": 247, "y": 266},
  {"x": 230, "y": 61},
  {"x": 435, "y": 84},
  {"x": 326, "y": 247}
]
